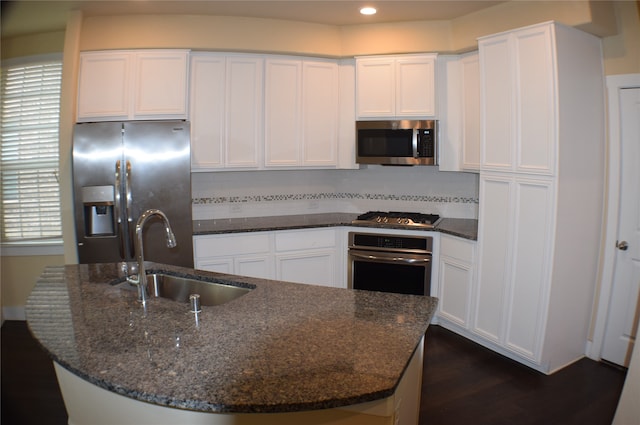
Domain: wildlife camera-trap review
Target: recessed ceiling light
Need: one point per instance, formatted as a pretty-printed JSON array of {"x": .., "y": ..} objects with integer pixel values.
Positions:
[{"x": 368, "y": 11}]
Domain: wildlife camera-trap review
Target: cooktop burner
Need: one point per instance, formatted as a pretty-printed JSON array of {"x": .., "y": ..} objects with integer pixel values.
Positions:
[{"x": 398, "y": 219}]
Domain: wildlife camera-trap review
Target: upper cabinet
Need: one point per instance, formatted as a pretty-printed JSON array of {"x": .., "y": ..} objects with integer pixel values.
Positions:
[
  {"x": 400, "y": 86},
  {"x": 517, "y": 74},
  {"x": 301, "y": 112},
  {"x": 226, "y": 111},
  {"x": 459, "y": 112},
  {"x": 255, "y": 112},
  {"x": 130, "y": 85}
]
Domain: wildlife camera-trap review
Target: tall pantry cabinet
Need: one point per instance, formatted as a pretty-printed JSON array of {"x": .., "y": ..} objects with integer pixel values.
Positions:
[{"x": 541, "y": 192}]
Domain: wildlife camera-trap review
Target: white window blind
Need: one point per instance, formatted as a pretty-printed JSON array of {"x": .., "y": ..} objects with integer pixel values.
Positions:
[{"x": 30, "y": 150}]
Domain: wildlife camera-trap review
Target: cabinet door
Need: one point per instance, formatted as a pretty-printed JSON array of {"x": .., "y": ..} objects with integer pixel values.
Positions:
[
  {"x": 104, "y": 86},
  {"x": 307, "y": 256},
  {"x": 449, "y": 113},
  {"x": 375, "y": 87},
  {"x": 161, "y": 85},
  {"x": 316, "y": 267},
  {"x": 516, "y": 222},
  {"x": 497, "y": 104},
  {"x": 242, "y": 254},
  {"x": 207, "y": 110},
  {"x": 470, "y": 74},
  {"x": 415, "y": 86},
  {"x": 456, "y": 279},
  {"x": 533, "y": 213},
  {"x": 283, "y": 92},
  {"x": 459, "y": 112},
  {"x": 243, "y": 101},
  {"x": 535, "y": 94},
  {"x": 320, "y": 113},
  {"x": 494, "y": 236},
  {"x": 253, "y": 266},
  {"x": 220, "y": 265}
]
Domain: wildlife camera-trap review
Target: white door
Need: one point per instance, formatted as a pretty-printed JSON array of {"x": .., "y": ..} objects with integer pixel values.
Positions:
[{"x": 622, "y": 320}]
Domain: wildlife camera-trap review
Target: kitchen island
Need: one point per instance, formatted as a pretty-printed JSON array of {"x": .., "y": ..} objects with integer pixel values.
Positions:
[{"x": 282, "y": 353}]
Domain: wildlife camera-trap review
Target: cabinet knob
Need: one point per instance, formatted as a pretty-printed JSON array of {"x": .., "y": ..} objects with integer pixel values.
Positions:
[{"x": 622, "y": 246}]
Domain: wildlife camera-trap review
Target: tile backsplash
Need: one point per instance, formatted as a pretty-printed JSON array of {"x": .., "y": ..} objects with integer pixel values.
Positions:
[{"x": 262, "y": 193}]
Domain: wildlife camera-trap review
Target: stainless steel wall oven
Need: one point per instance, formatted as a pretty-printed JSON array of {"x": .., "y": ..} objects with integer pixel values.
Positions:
[{"x": 390, "y": 263}]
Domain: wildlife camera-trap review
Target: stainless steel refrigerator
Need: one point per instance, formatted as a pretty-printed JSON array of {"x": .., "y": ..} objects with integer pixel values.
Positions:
[{"x": 121, "y": 169}]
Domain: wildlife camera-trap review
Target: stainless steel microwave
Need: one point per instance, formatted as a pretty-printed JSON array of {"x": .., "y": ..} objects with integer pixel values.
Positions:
[{"x": 400, "y": 142}]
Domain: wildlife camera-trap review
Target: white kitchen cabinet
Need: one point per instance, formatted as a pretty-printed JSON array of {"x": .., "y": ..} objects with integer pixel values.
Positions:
[
  {"x": 457, "y": 260},
  {"x": 401, "y": 86},
  {"x": 347, "y": 114},
  {"x": 303, "y": 256},
  {"x": 308, "y": 256},
  {"x": 226, "y": 111},
  {"x": 301, "y": 112},
  {"x": 515, "y": 263},
  {"x": 246, "y": 254},
  {"x": 470, "y": 69},
  {"x": 519, "y": 101},
  {"x": 320, "y": 108},
  {"x": 130, "y": 85},
  {"x": 459, "y": 112},
  {"x": 541, "y": 193},
  {"x": 283, "y": 101}
]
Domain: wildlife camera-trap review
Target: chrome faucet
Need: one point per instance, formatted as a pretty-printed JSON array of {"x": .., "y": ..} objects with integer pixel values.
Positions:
[{"x": 141, "y": 279}]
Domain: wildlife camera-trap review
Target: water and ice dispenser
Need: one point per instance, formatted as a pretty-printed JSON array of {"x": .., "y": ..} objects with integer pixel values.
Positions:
[{"x": 98, "y": 202}]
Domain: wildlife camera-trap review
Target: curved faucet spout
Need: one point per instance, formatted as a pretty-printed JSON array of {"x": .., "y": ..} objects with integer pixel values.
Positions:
[{"x": 140, "y": 280}]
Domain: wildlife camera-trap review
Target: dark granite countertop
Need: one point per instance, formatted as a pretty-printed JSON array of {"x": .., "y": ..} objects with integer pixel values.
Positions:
[
  {"x": 282, "y": 347},
  {"x": 464, "y": 228}
]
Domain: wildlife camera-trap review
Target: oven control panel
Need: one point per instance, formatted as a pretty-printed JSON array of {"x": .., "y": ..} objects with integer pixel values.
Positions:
[{"x": 413, "y": 244}]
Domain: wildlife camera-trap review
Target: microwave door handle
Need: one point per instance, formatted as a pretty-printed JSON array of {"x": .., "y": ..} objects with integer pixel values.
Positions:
[
  {"x": 415, "y": 137},
  {"x": 406, "y": 260}
]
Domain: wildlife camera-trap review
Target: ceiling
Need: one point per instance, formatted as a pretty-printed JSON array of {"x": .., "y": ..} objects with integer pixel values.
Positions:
[{"x": 31, "y": 16}]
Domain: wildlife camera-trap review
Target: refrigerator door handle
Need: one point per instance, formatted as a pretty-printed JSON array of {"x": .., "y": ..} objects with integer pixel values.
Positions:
[
  {"x": 118, "y": 209},
  {"x": 127, "y": 193}
]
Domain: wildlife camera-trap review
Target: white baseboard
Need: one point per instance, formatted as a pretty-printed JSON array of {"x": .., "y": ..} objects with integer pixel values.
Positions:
[{"x": 13, "y": 313}]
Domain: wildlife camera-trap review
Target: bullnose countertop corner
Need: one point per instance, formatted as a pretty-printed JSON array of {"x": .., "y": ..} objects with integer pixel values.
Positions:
[{"x": 282, "y": 347}]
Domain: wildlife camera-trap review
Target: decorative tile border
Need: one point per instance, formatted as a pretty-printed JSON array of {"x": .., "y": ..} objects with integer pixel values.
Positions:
[{"x": 333, "y": 196}]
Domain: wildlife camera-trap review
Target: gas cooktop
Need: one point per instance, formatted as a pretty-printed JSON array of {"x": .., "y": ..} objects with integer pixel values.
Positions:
[{"x": 399, "y": 219}]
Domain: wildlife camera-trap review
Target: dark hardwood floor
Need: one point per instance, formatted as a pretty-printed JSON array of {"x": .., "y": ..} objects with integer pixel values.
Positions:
[{"x": 463, "y": 384}]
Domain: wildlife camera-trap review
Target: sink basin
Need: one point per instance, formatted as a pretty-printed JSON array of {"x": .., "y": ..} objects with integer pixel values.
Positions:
[{"x": 180, "y": 288}]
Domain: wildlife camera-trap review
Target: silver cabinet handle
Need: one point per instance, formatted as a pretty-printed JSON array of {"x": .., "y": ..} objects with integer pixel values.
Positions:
[{"x": 622, "y": 246}]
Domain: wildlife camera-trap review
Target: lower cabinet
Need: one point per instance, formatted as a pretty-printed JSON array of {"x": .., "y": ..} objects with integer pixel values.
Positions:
[
  {"x": 515, "y": 262},
  {"x": 456, "y": 279},
  {"x": 312, "y": 256},
  {"x": 245, "y": 254},
  {"x": 308, "y": 256}
]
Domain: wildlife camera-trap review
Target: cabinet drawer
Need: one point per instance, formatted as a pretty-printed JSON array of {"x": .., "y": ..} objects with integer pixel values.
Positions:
[
  {"x": 217, "y": 245},
  {"x": 458, "y": 248},
  {"x": 305, "y": 239}
]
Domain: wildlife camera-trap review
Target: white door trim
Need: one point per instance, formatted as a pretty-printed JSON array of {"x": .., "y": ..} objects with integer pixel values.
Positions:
[{"x": 614, "y": 84}]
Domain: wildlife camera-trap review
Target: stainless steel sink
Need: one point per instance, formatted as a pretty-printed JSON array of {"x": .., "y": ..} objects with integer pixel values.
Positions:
[{"x": 180, "y": 288}]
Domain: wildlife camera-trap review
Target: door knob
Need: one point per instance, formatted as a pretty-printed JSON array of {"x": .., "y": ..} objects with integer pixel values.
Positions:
[{"x": 622, "y": 246}]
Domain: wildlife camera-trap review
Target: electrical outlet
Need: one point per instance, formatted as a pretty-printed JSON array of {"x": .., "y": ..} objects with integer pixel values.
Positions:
[{"x": 235, "y": 208}]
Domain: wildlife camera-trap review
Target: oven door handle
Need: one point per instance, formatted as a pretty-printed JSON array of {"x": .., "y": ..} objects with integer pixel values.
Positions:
[{"x": 406, "y": 260}]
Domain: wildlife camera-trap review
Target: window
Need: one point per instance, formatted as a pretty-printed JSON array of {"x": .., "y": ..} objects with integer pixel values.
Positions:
[{"x": 30, "y": 114}]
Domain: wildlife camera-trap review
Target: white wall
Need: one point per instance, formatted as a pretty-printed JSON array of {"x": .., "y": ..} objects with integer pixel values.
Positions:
[{"x": 264, "y": 193}]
